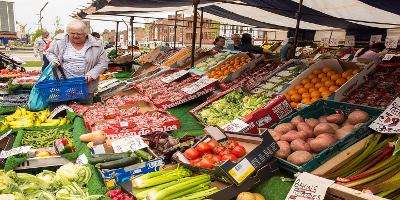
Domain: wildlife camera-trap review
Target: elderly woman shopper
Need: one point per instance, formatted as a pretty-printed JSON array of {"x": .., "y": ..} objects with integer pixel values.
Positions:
[{"x": 79, "y": 54}]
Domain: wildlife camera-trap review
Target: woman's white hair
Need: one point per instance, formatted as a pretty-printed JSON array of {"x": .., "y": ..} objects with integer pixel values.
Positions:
[{"x": 77, "y": 24}]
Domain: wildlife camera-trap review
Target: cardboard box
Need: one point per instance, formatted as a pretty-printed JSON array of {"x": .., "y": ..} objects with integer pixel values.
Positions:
[
  {"x": 256, "y": 58},
  {"x": 230, "y": 191},
  {"x": 338, "y": 66},
  {"x": 340, "y": 192},
  {"x": 259, "y": 150},
  {"x": 181, "y": 51},
  {"x": 200, "y": 56},
  {"x": 152, "y": 55},
  {"x": 270, "y": 113}
]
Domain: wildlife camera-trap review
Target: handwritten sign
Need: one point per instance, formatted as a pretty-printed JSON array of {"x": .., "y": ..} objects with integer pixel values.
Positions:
[
  {"x": 198, "y": 85},
  {"x": 317, "y": 56},
  {"x": 131, "y": 143},
  {"x": 389, "y": 121},
  {"x": 308, "y": 186},
  {"x": 349, "y": 41},
  {"x": 82, "y": 160},
  {"x": 325, "y": 42},
  {"x": 375, "y": 38},
  {"x": 5, "y": 135},
  {"x": 391, "y": 42},
  {"x": 174, "y": 76},
  {"x": 15, "y": 151},
  {"x": 236, "y": 126},
  {"x": 59, "y": 109},
  {"x": 334, "y": 42}
]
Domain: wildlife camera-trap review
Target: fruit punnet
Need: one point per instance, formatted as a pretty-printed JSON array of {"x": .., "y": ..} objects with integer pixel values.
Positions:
[
  {"x": 319, "y": 84},
  {"x": 228, "y": 67}
]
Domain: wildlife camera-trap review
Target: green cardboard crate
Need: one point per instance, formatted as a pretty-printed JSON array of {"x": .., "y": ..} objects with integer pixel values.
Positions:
[{"x": 324, "y": 107}]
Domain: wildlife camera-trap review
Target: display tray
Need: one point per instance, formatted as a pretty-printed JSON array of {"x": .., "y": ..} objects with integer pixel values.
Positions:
[
  {"x": 6, "y": 144},
  {"x": 32, "y": 165}
]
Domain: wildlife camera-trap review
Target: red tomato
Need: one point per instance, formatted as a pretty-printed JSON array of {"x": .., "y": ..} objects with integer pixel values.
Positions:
[
  {"x": 226, "y": 151},
  {"x": 231, "y": 157},
  {"x": 216, "y": 158},
  {"x": 233, "y": 144},
  {"x": 205, "y": 163},
  {"x": 203, "y": 147},
  {"x": 212, "y": 144},
  {"x": 218, "y": 149},
  {"x": 195, "y": 161},
  {"x": 191, "y": 153},
  {"x": 239, "y": 151}
]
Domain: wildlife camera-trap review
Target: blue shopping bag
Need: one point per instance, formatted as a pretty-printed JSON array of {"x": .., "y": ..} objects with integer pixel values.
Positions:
[{"x": 36, "y": 101}]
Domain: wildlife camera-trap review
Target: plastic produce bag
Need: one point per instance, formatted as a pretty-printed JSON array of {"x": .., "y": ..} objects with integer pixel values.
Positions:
[{"x": 36, "y": 101}]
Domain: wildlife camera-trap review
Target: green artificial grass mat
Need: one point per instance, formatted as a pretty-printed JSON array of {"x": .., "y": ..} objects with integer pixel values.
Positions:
[
  {"x": 274, "y": 188},
  {"x": 7, "y": 110},
  {"x": 189, "y": 124},
  {"x": 32, "y": 64}
]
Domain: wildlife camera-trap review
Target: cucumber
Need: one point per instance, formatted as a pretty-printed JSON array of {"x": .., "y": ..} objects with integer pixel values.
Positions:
[
  {"x": 107, "y": 158},
  {"x": 118, "y": 163},
  {"x": 143, "y": 155}
]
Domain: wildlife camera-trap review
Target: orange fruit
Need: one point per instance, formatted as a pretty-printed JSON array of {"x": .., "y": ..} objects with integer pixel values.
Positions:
[
  {"x": 308, "y": 86},
  {"x": 335, "y": 77},
  {"x": 349, "y": 77},
  {"x": 312, "y": 89},
  {"x": 305, "y": 95},
  {"x": 306, "y": 101},
  {"x": 315, "y": 94},
  {"x": 298, "y": 87},
  {"x": 330, "y": 73},
  {"x": 311, "y": 76},
  {"x": 315, "y": 80},
  {"x": 346, "y": 73},
  {"x": 292, "y": 92},
  {"x": 323, "y": 80},
  {"x": 333, "y": 88},
  {"x": 314, "y": 99},
  {"x": 318, "y": 85},
  {"x": 323, "y": 89},
  {"x": 329, "y": 83},
  {"x": 305, "y": 81},
  {"x": 295, "y": 98},
  {"x": 316, "y": 71},
  {"x": 302, "y": 90},
  {"x": 287, "y": 97},
  {"x": 325, "y": 94},
  {"x": 322, "y": 75},
  {"x": 293, "y": 104},
  {"x": 355, "y": 71},
  {"x": 341, "y": 81},
  {"x": 326, "y": 69}
]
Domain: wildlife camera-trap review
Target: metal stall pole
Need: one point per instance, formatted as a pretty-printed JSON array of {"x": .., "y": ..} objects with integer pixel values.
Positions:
[
  {"x": 296, "y": 35},
  {"x": 201, "y": 25},
  {"x": 116, "y": 38},
  {"x": 195, "y": 4},
  {"x": 131, "y": 23},
  {"x": 175, "y": 27}
]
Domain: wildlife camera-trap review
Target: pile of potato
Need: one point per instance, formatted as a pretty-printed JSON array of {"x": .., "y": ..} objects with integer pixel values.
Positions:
[{"x": 301, "y": 139}]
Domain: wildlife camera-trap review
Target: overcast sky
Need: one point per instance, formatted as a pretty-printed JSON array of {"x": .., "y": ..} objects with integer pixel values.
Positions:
[{"x": 27, "y": 12}]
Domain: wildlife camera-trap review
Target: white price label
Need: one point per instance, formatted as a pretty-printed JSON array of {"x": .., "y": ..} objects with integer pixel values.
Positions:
[
  {"x": 236, "y": 126},
  {"x": 131, "y": 143},
  {"x": 59, "y": 109},
  {"x": 308, "y": 186},
  {"x": 5, "y": 135},
  {"x": 325, "y": 41},
  {"x": 375, "y": 38},
  {"x": 391, "y": 42},
  {"x": 174, "y": 76},
  {"x": 242, "y": 170},
  {"x": 198, "y": 85},
  {"x": 349, "y": 41},
  {"x": 124, "y": 124},
  {"x": 345, "y": 57},
  {"x": 15, "y": 151},
  {"x": 334, "y": 42},
  {"x": 388, "y": 56},
  {"x": 317, "y": 56},
  {"x": 82, "y": 160},
  {"x": 389, "y": 121}
]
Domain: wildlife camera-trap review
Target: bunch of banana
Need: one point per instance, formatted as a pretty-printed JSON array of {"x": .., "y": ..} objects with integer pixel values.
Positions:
[{"x": 24, "y": 118}]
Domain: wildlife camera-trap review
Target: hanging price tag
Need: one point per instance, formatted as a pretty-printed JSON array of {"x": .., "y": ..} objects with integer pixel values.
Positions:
[
  {"x": 389, "y": 120},
  {"x": 82, "y": 160},
  {"x": 349, "y": 41},
  {"x": 388, "y": 56},
  {"x": 236, "y": 126},
  {"x": 198, "y": 85},
  {"x": 174, "y": 76},
  {"x": 391, "y": 42},
  {"x": 15, "y": 151},
  {"x": 375, "y": 38},
  {"x": 131, "y": 143},
  {"x": 308, "y": 186}
]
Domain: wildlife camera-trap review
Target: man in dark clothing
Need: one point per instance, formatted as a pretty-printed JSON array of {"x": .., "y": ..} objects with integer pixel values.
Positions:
[{"x": 247, "y": 46}]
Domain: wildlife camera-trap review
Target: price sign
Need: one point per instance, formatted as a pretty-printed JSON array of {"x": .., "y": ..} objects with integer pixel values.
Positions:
[
  {"x": 15, "y": 151},
  {"x": 388, "y": 56},
  {"x": 131, "y": 143},
  {"x": 389, "y": 121},
  {"x": 317, "y": 56},
  {"x": 236, "y": 126},
  {"x": 391, "y": 42},
  {"x": 334, "y": 42},
  {"x": 174, "y": 76},
  {"x": 198, "y": 85},
  {"x": 325, "y": 41},
  {"x": 242, "y": 170},
  {"x": 308, "y": 186},
  {"x": 349, "y": 41},
  {"x": 375, "y": 38},
  {"x": 82, "y": 160},
  {"x": 345, "y": 57},
  {"x": 58, "y": 110}
]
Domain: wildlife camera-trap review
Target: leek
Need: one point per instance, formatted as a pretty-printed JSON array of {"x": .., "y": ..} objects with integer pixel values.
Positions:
[
  {"x": 143, "y": 194},
  {"x": 190, "y": 183},
  {"x": 165, "y": 178}
]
